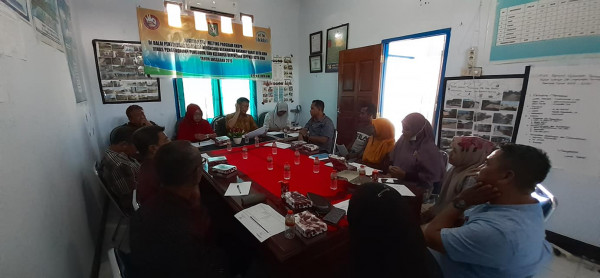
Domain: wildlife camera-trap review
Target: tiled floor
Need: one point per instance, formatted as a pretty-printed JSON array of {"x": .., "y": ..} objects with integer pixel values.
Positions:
[{"x": 560, "y": 267}]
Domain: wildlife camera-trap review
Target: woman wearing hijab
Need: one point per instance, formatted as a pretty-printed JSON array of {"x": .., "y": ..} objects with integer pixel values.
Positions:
[
  {"x": 193, "y": 128},
  {"x": 277, "y": 119},
  {"x": 467, "y": 155},
  {"x": 416, "y": 159},
  {"x": 380, "y": 144},
  {"x": 385, "y": 237}
]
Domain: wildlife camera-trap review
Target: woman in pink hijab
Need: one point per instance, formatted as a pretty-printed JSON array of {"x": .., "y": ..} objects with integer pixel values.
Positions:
[{"x": 416, "y": 160}]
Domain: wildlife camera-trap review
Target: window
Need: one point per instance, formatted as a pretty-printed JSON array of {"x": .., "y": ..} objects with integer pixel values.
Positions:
[
  {"x": 412, "y": 72},
  {"x": 216, "y": 97}
]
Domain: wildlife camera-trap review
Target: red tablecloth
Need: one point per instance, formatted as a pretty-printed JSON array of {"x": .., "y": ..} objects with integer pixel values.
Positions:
[{"x": 302, "y": 179}]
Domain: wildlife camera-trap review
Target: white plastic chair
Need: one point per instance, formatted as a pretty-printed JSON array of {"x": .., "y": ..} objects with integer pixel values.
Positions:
[
  {"x": 114, "y": 265},
  {"x": 134, "y": 201},
  {"x": 546, "y": 199}
]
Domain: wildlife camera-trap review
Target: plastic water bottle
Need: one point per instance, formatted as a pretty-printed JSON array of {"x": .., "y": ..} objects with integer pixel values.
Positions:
[
  {"x": 362, "y": 171},
  {"x": 287, "y": 171},
  {"x": 256, "y": 142},
  {"x": 289, "y": 225},
  {"x": 269, "y": 163},
  {"x": 228, "y": 146},
  {"x": 297, "y": 157},
  {"x": 316, "y": 165},
  {"x": 274, "y": 149},
  {"x": 375, "y": 175},
  {"x": 245, "y": 153},
  {"x": 333, "y": 185},
  {"x": 246, "y": 140}
]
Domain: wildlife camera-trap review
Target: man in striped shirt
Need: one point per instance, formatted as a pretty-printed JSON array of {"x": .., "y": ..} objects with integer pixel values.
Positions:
[{"x": 119, "y": 168}]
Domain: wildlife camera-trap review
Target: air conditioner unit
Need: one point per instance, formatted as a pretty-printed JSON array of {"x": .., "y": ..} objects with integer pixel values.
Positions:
[{"x": 228, "y": 8}]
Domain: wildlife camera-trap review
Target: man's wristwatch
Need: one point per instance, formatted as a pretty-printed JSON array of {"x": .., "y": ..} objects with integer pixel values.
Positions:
[{"x": 459, "y": 204}]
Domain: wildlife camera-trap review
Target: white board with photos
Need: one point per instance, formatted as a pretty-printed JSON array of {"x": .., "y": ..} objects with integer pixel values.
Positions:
[
  {"x": 486, "y": 106},
  {"x": 280, "y": 88}
]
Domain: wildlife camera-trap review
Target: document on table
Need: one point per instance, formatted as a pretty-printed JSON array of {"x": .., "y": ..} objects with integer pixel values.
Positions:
[
  {"x": 403, "y": 190},
  {"x": 343, "y": 205},
  {"x": 274, "y": 133},
  {"x": 329, "y": 164},
  {"x": 257, "y": 132},
  {"x": 294, "y": 134},
  {"x": 348, "y": 174},
  {"x": 238, "y": 189},
  {"x": 203, "y": 143},
  {"x": 368, "y": 170},
  {"x": 205, "y": 155},
  {"x": 262, "y": 221},
  {"x": 278, "y": 144}
]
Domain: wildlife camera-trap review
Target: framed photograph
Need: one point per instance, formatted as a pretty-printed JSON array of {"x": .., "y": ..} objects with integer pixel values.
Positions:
[
  {"x": 20, "y": 6},
  {"x": 316, "y": 42},
  {"x": 316, "y": 63},
  {"x": 337, "y": 40},
  {"x": 120, "y": 69}
]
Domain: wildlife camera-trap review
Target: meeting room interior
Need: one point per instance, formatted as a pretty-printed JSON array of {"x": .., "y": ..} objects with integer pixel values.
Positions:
[{"x": 299, "y": 138}]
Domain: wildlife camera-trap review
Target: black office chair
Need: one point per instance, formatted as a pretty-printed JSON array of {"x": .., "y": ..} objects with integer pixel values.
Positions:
[
  {"x": 220, "y": 126},
  {"x": 120, "y": 263},
  {"x": 177, "y": 124},
  {"x": 261, "y": 118},
  {"x": 123, "y": 213}
]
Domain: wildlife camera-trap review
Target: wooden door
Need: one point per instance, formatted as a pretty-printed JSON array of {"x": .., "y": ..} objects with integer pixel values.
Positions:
[{"x": 359, "y": 80}]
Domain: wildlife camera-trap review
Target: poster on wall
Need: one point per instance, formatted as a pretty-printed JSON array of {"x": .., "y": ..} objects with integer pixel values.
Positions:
[
  {"x": 560, "y": 116},
  {"x": 120, "y": 69},
  {"x": 45, "y": 20},
  {"x": 19, "y": 6},
  {"x": 187, "y": 52},
  {"x": 486, "y": 106},
  {"x": 280, "y": 88},
  {"x": 528, "y": 29},
  {"x": 71, "y": 49}
]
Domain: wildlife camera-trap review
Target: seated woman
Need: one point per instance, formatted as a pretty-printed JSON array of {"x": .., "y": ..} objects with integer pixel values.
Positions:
[
  {"x": 277, "y": 119},
  {"x": 467, "y": 155},
  {"x": 193, "y": 128},
  {"x": 385, "y": 237},
  {"x": 240, "y": 119},
  {"x": 380, "y": 144},
  {"x": 416, "y": 160}
]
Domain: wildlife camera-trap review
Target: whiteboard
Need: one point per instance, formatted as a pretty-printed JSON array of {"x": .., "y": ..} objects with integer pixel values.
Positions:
[{"x": 561, "y": 117}]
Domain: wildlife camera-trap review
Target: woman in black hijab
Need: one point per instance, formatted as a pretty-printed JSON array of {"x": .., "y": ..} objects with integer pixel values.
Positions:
[{"x": 386, "y": 240}]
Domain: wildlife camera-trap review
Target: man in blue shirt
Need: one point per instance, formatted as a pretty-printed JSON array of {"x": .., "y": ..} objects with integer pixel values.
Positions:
[
  {"x": 319, "y": 129},
  {"x": 503, "y": 234}
]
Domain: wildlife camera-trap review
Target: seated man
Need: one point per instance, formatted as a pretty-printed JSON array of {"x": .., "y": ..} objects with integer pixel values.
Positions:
[
  {"x": 502, "y": 238},
  {"x": 364, "y": 129},
  {"x": 148, "y": 140},
  {"x": 240, "y": 120},
  {"x": 319, "y": 129},
  {"x": 170, "y": 232},
  {"x": 137, "y": 118},
  {"x": 119, "y": 168}
]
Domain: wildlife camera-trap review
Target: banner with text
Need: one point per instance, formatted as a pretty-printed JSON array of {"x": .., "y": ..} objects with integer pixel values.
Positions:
[{"x": 187, "y": 52}]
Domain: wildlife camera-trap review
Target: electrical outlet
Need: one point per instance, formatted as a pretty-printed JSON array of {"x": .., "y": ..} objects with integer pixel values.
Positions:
[{"x": 472, "y": 57}]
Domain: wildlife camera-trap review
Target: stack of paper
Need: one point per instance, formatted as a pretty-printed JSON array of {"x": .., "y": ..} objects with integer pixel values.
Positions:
[
  {"x": 262, "y": 221},
  {"x": 278, "y": 144},
  {"x": 238, "y": 189}
]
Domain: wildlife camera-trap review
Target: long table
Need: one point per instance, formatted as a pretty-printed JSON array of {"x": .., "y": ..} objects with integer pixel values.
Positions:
[{"x": 328, "y": 252}]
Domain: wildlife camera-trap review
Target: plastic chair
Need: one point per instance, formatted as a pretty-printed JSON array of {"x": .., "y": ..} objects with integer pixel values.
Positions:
[
  {"x": 124, "y": 214},
  {"x": 546, "y": 199},
  {"x": 120, "y": 265},
  {"x": 335, "y": 134},
  {"x": 177, "y": 124}
]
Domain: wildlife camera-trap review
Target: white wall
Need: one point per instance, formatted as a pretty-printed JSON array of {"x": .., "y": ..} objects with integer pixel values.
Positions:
[
  {"x": 49, "y": 206},
  {"x": 472, "y": 25},
  {"x": 116, "y": 20}
]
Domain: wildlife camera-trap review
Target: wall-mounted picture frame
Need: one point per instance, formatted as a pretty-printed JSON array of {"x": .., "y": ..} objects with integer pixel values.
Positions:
[
  {"x": 120, "y": 69},
  {"x": 316, "y": 42},
  {"x": 316, "y": 63},
  {"x": 19, "y": 6},
  {"x": 337, "y": 40}
]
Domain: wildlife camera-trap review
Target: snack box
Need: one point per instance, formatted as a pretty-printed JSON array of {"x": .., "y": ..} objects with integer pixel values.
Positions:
[
  {"x": 213, "y": 161},
  {"x": 224, "y": 170},
  {"x": 297, "y": 201},
  {"x": 308, "y": 225},
  {"x": 222, "y": 140},
  {"x": 309, "y": 149}
]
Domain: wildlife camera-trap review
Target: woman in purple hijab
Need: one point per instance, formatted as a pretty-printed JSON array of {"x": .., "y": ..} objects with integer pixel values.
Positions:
[{"x": 416, "y": 159}]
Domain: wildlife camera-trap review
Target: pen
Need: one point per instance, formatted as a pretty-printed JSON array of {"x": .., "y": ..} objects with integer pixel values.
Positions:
[
  {"x": 258, "y": 224},
  {"x": 238, "y": 186}
]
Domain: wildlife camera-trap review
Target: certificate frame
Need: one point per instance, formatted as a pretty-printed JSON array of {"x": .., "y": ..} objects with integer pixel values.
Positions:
[
  {"x": 335, "y": 44},
  {"x": 316, "y": 42},
  {"x": 316, "y": 63}
]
